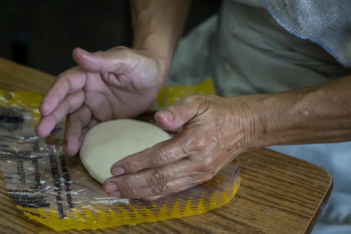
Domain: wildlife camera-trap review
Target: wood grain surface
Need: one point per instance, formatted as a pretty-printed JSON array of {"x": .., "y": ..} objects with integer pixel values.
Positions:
[
  {"x": 15, "y": 77},
  {"x": 278, "y": 194}
]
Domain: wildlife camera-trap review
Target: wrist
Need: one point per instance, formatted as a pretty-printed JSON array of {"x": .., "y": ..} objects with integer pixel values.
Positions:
[
  {"x": 160, "y": 46},
  {"x": 310, "y": 115},
  {"x": 162, "y": 64},
  {"x": 280, "y": 117},
  {"x": 158, "y": 26},
  {"x": 255, "y": 118}
]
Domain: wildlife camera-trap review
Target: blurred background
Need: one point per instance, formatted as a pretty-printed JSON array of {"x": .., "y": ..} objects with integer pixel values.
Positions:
[{"x": 42, "y": 34}]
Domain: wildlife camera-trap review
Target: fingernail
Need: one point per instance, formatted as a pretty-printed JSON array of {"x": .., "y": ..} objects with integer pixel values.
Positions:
[
  {"x": 115, "y": 194},
  {"x": 117, "y": 171},
  {"x": 110, "y": 187},
  {"x": 167, "y": 115}
]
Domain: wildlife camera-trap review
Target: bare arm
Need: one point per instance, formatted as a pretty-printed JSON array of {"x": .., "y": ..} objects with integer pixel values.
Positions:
[
  {"x": 318, "y": 114},
  {"x": 158, "y": 25}
]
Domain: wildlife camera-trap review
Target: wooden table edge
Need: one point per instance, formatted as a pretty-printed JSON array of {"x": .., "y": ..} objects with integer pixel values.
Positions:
[
  {"x": 326, "y": 195},
  {"x": 322, "y": 204}
]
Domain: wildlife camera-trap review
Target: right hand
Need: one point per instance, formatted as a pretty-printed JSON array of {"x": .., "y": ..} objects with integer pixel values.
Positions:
[{"x": 118, "y": 83}]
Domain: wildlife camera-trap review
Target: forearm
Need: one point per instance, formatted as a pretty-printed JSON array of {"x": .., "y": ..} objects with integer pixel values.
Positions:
[
  {"x": 158, "y": 25},
  {"x": 318, "y": 114}
]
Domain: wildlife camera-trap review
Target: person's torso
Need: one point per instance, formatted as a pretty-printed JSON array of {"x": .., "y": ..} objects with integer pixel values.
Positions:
[
  {"x": 252, "y": 53},
  {"x": 245, "y": 51}
]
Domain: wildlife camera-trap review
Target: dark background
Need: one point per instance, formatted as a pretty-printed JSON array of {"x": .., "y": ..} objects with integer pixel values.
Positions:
[{"x": 42, "y": 34}]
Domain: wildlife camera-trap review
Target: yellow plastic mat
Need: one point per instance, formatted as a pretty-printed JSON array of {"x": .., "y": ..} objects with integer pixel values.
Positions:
[{"x": 58, "y": 192}]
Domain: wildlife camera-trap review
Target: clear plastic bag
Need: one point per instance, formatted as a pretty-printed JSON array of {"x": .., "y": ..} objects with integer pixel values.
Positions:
[{"x": 58, "y": 192}]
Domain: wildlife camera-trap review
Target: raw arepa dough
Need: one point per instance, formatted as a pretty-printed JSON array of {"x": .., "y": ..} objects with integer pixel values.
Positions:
[{"x": 109, "y": 142}]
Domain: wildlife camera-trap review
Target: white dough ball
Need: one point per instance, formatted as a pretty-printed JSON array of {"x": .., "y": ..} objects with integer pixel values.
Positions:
[{"x": 109, "y": 142}]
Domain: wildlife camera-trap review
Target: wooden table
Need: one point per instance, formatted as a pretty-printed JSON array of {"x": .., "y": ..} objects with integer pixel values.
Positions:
[{"x": 278, "y": 194}]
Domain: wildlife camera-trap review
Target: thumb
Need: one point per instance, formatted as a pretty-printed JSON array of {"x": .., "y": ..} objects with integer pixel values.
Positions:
[
  {"x": 101, "y": 62},
  {"x": 175, "y": 116}
]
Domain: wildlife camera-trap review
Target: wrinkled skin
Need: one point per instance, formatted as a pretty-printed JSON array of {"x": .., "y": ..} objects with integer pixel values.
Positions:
[
  {"x": 215, "y": 131},
  {"x": 118, "y": 83},
  {"x": 122, "y": 83}
]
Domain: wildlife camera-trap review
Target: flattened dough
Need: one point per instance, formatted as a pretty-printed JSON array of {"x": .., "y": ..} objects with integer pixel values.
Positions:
[{"x": 109, "y": 142}]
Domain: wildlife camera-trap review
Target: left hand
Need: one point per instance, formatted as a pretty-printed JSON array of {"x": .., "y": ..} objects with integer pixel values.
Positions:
[
  {"x": 215, "y": 131},
  {"x": 118, "y": 83}
]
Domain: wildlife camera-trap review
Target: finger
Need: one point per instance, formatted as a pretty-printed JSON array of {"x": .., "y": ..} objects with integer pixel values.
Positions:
[
  {"x": 75, "y": 124},
  {"x": 71, "y": 103},
  {"x": 150, "y": 177},
  {"x": 177, "y": 115},
  {"x": 91, "y": 124},
  {"x": 45, "y": 126},
  {"x": 81, "y": 138},
  {"x": 161, "y": 189},
  {"x": 68, "y": 82},
  {"x": 102, "y": 62},
  {"x": 159, "y": 155}
]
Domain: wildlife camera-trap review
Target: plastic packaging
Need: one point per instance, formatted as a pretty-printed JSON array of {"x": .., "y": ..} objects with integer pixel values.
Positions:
[{"x": 58, "y": 192}]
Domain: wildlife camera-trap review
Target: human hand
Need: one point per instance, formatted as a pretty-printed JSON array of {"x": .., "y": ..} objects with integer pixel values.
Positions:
[
  {"x": 216, "y": 130},
  {"x": 118, "y": 83}
]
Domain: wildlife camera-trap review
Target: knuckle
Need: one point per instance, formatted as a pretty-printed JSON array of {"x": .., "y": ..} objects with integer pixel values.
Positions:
[
  {"x": 75, "y": 119},
  {"x": 127, "y": 52},
  {"x": 120, "y": 48},
  {"x": 68, "y": 106},
  {"x": 70, "y": 118},
  {"x": 161, "y": 189},
  {"x": 194, "y": 98},
  {"x": 128, "y": 182},
  {"x": 99, "y": 54},
  {"x": 132, "y": 166},
  {"x": 158, "y": 177},
  {"x": 65, "y": 75},
  {"x": 201, "y": 98},
  {"x": 207, "y": 165},
  {"x": 158, "y": 159},
  {"x": 124, "y": 52},
  {"x": 129, "y": 60},
  {"x": 133, "y": 193},
  {"x": 200, "y": 144},
  {"x": 171, "y": 109}
]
